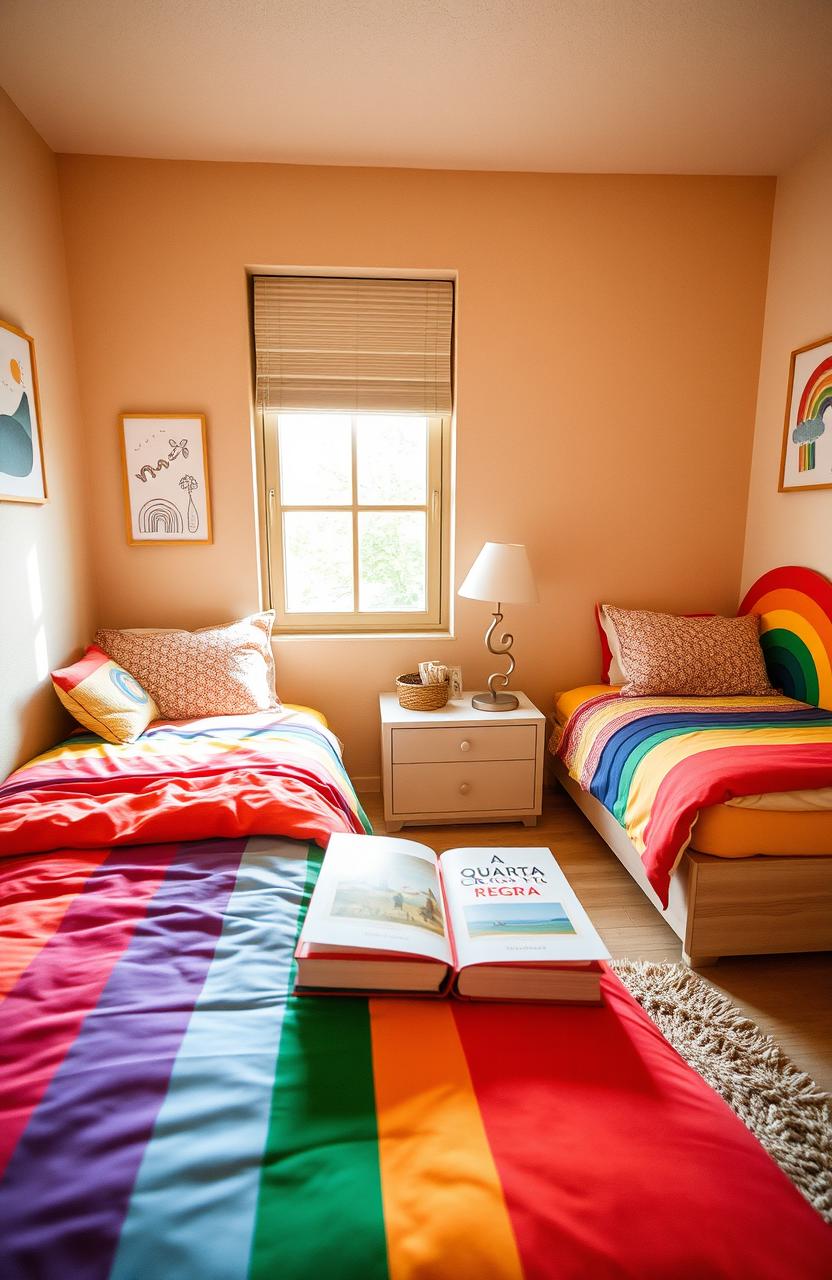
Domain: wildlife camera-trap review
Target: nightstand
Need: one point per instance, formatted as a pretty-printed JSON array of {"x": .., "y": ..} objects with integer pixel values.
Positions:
[{"x": 461, "y": 765}]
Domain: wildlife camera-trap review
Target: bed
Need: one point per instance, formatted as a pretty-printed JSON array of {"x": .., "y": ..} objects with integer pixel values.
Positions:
[
  {"x": 168, "y": 1107},
  {"x": 721, "y": 809}
]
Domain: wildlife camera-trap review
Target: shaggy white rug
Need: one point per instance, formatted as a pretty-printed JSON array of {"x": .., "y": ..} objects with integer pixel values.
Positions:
[{"x": 783, "y": 1107}]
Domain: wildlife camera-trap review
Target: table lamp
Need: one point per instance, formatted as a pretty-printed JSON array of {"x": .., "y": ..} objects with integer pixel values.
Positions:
[{"x": 500, "y": 572}]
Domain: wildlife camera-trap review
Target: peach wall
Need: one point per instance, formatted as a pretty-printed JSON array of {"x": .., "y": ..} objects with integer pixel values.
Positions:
[
  {"x": 791, "y": 528},
  {"x": 608, "y": 346},
  {"x": 45, "y": 604}
]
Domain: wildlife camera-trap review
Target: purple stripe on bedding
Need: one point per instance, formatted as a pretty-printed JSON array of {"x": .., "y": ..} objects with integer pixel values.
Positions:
[
  {"x": 67, "y": 1186},
  {"x": 38, "y": 1024}
]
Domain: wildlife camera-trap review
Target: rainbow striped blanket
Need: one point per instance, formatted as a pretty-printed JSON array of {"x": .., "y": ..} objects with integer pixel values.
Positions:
[
  {"x": 168, "y": 1109},
  {"x": 263, "y": 774},
  {"x": 655, "y": 762}
]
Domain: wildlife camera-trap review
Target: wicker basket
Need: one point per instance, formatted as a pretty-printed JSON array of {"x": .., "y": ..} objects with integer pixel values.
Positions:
[{"x": 415, "y": 696}]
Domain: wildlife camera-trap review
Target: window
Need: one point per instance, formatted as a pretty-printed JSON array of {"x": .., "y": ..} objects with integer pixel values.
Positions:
[
  {"x": 356, "y": 506},
  {"x": 352, "y": 378}
]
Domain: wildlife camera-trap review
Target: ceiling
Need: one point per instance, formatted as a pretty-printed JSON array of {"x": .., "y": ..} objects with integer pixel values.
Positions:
[{"x": 635, "y": 86}]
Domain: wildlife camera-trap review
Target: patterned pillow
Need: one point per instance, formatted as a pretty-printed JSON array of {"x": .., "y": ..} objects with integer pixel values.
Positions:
[
  {"x": 105, "y": 698},
  {"x": 691, "y": 657},
  {"x": 216, "y": 671},
  {"x": 612, "y": 672}
]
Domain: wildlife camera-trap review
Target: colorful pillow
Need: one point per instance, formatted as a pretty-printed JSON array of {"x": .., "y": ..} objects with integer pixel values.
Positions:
[
  {"x": 105, "y": 698},
  {"x": 662, "y": 653},
  {"x": 216, "y": 671}
]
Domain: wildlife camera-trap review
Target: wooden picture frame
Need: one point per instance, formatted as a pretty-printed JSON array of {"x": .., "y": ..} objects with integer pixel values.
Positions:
[
  {"x": 161, "y": 455},
  {"x": 22, "y": 469},
  {"x": 807, "y": 429}
]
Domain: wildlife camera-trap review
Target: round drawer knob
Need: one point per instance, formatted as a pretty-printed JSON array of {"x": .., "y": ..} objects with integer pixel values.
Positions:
[
  {"x": 464, "y": 788},
  {"x": 465, "y": 745}
]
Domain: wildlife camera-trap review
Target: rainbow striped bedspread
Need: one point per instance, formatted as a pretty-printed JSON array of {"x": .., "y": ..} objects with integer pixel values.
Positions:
[
  {"x": 168, "y": 1109},
  {"x": 272, "y": 773},
  {"x": 655, "y": 762}
]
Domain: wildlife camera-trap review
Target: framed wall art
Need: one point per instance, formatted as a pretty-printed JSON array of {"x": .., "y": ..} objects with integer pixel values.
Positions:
[
  {"x": 22, "y": 473},
  {"x": 165, "y": 463},
  {"x": 806, "y": 458}
]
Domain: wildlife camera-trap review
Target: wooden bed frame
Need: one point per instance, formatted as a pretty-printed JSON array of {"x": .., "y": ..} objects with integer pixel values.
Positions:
[
  {"x": 759, "y": 905},
  {"x": 736, "y": 906},
  {"x": 727, "y": 906}
]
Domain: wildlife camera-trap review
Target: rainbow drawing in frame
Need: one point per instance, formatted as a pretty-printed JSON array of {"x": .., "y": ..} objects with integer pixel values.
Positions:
[
  {"x": 806, "y": 458},
  {"x": 165, "y": 472},
  {"x": 22, "y": 473}
]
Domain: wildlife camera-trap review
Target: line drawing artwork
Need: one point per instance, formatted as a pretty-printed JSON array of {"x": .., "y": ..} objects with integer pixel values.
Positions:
[
  {"x": 166, "y": 478},
  {"x": 188, "y": 483},
  {"x": 158, "y": 515},
  {"x": 161, "y": 465}
]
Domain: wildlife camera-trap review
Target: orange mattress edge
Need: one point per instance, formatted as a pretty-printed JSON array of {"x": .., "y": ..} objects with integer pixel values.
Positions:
[{"x": 727, "y": 832}]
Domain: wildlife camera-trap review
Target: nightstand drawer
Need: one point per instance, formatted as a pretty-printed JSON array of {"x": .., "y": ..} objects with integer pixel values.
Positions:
[
  {"x": 492, "y": 742},
  {"x": 482, "y": 786}
]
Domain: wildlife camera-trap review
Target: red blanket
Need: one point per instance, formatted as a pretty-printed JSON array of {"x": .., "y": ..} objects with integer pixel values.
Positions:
[{"x": 270, "y": 774}]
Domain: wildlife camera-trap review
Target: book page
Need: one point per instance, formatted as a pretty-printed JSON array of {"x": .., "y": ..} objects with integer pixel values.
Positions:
[
  {"x": 376, "y": 893},
  {"x": 515, "y": 904}
]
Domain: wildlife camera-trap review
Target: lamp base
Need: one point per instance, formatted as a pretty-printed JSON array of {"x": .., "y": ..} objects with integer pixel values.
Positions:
[{"x": 495, "y": 702}]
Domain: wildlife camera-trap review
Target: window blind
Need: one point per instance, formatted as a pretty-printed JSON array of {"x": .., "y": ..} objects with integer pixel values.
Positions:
[{"x": 358, "y": 345}]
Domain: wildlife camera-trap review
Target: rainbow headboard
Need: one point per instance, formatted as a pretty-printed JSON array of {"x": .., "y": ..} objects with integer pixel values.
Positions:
[{"x": 795, "y": 608}]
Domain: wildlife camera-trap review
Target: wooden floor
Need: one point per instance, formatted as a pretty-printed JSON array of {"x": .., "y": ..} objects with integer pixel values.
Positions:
[{"x": 790, "y": 997}]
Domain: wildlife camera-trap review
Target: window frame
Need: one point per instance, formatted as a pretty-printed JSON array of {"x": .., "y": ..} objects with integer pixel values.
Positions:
[{"x": 438, "y": 515}]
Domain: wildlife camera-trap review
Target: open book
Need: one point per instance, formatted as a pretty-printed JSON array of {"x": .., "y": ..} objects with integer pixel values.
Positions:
[{"x": 486, "y": 923}]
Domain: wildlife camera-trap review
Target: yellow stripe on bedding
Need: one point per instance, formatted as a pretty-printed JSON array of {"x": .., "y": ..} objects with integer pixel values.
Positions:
[
  {"x": 307, "y": 711},
  {"x": 607, "y": 712},
  {"x": 70, "y": 748},
  {"x": 73, "y": 748}
]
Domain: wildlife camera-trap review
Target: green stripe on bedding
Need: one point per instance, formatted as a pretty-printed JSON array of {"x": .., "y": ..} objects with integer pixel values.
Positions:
[{"x": 321, "y": 1165}]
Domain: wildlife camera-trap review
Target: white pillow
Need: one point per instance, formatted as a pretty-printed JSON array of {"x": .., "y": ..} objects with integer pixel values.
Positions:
[{"x": 616, "y": 673}]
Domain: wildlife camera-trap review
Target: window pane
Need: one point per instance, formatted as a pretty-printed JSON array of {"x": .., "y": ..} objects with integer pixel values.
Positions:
[
  {"x": 391, "y": 558},
  {"x": 318, "y": 558},
  {"x": 315, "y": 459},
  {"x": 392, "y": 459}
]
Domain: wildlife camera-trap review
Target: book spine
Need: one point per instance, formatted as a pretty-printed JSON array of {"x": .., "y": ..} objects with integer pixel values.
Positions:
[{"x": 449, "y": 928}]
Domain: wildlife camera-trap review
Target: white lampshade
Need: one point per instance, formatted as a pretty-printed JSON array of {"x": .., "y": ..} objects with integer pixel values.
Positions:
[{"x": 501, "y": 572}]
